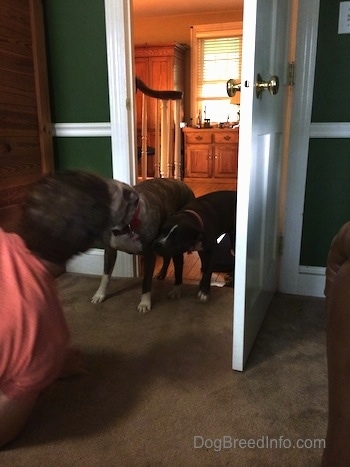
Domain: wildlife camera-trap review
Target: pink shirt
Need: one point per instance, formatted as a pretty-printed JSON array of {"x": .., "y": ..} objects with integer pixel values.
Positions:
[{"x": 33, "y": 332}]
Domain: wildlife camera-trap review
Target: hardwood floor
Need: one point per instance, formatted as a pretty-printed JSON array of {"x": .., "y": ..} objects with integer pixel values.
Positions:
[
  {"x": 191, "y": 270},
  {"x": 192, "y": 264},
  {"x": 202, "y": 187}
]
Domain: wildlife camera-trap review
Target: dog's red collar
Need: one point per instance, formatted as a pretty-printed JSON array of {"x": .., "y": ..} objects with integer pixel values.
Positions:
[
  {"x": 135, "y": 221},
  {"x": 200, "y": 220},
  {"x": 130, "y": 228}
]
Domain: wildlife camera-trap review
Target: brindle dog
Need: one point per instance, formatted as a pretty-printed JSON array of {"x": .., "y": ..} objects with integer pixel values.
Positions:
[{"x": 157, "y": 199}]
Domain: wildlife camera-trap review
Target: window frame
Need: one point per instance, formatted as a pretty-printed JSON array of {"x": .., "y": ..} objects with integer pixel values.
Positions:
[{"x": 208, "y": 31}]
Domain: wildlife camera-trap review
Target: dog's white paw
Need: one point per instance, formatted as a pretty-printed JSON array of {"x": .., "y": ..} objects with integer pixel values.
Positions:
[
  {"x": 98, "y": 297},
  {"x": 101, "y": 292},
  {"x": 202, "y": 296},
  {"x": 145, "y": 304},
  {"x": 175, "y": 292}
]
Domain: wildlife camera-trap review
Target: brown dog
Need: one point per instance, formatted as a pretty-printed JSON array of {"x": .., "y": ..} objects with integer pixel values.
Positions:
[{"x": 137, "y": 225}]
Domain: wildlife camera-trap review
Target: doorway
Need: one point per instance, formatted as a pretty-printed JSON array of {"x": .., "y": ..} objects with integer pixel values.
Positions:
[
  {"x": 302, "y": 6},
  {"x": 177, "y": 29}
]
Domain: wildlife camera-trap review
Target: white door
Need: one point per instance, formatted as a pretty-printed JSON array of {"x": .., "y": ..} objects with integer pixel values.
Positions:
[{"x": 265, "y": 52}]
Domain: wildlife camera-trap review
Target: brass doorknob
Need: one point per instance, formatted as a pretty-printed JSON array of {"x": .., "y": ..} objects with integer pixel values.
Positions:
[
  {"x": 272, "y": 85},
  {"x": 232, "y": 86}
]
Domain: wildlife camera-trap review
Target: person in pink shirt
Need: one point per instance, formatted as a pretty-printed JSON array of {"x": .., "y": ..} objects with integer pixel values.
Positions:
[{"x": 63, "y": 215}]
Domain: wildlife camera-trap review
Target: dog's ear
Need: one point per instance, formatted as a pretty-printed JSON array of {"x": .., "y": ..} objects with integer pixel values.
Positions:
[
  {"x": 129, "y": 195},
  {"x": 198, "y": 234},
  {"x": 197, "y": 241},
  {"x": 124, "y": 199},
  {"x": 120, "y": 190}
]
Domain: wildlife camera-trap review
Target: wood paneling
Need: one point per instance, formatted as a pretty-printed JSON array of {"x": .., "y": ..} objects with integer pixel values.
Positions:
[
  {"x": 211, "y": 153},
  {"x": 25, "y": 124}
]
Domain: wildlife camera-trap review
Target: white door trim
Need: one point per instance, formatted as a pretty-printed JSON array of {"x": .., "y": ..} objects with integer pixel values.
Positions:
[
  {"x": 330, "y": 130},
  {"x": 121, "y": 88},
  {"x": 81, "y": 130},
  {"x": 122, "y": 123},
  {"x": 295, "y": 279}
]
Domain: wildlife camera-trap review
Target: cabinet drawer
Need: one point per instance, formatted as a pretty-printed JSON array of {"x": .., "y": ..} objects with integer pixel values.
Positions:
[
  {"x": 198, "y": 137},
  {"x": 226, "y": 137}
]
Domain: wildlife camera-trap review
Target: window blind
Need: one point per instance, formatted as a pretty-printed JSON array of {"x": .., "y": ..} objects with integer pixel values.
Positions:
[
  {"x": 216, "y": 51},
  {"x": 218, "y": 59}
]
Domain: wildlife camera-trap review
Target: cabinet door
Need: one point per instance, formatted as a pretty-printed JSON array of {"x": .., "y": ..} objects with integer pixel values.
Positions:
[
  {"x": 141, "y": 71},
  {"x": 225, "y": 160},
  {"x": 161, "y": 78},
  {"x": 199, "y": 161},
  {"x": 161, "y": 70},
  {"x": 157, "y": 73}
]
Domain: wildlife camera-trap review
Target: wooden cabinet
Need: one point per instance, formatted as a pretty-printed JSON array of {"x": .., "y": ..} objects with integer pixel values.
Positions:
[
  {"x": 211, "y": 153},
  {"x": 160, "y": 67}
]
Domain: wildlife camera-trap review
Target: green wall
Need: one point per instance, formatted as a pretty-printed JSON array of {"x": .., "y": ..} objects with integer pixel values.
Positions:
[
  {"x": 327, "y": 193},
  {"x": 332, "y": 74},
  {"x": 93, "y": 154},
  {"x": 77, "y": 65},
  {"x": 327, "y": 197}
]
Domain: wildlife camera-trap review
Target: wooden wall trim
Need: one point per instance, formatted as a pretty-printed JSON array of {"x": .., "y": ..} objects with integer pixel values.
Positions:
[{"x": 41, "y": 85}]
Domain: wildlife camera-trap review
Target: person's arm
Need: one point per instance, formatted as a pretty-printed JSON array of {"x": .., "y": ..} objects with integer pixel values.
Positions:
[
  {"x": 13, "y": 415},
  {"x": 15, "y": 412}
]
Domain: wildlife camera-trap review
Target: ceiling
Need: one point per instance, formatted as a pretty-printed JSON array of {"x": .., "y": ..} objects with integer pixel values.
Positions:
[{"x": 151, "y": 8}]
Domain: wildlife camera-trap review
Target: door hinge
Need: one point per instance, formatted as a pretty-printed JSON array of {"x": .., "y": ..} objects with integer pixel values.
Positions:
[
  {"x": 291, "y": 74},
  {"x": 280, "y": 245}
]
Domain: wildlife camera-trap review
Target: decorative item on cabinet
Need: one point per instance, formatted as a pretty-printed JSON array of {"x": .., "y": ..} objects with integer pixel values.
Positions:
[
  {"x": 161, "y": 67},
  {"x": 211, "y": 153}
]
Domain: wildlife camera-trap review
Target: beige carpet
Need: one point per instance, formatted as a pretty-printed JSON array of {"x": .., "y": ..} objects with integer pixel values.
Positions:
[{"x": 160, "y": 390}]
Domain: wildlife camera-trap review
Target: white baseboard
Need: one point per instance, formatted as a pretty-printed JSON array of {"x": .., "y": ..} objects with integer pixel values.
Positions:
[
  {"x": 91, "y": 263},
  {"x": 311, "y": 281}
]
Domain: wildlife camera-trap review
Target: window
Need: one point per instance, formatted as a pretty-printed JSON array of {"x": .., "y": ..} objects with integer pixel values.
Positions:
[{"x": 216, "y": 57}]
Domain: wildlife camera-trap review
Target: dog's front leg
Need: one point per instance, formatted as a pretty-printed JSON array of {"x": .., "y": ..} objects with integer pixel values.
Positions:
[
  {"x": 110, "y": 257},
  {"x": 175, "y": 292},
  {"x": 163, "y": 272},
  {"x": 149, "y": 264},
  {"x": 204, "y": 285}
]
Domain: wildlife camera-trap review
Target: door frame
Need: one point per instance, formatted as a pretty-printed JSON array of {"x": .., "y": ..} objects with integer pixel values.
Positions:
[
  {"x": 121, "y": 87},
  {"x": 121, "y": 128},
  {"x": 295, "y": 278}
]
